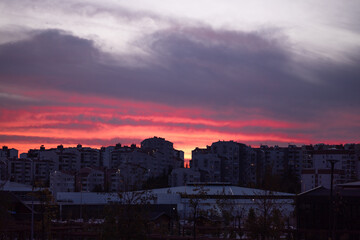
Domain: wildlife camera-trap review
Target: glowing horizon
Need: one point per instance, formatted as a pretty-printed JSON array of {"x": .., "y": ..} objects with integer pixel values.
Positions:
[{"x": 97, "y": 126}]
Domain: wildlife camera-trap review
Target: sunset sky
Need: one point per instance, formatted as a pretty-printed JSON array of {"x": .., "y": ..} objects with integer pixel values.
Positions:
[{"x": 194, "y": 72}]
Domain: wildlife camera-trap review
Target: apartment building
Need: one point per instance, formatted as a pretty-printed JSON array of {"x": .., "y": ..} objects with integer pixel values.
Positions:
[
  {"x": 231, "y": 163},
  {"x": 178, "y": 159},
  {"x": 208, "y": 164},
  {"x": 167, "y": 157},
  {"x": 90, "y": 179},
  {"x": 62, "y": 181},
  {"x": 119, "y": 155},
  {"x": 21, "y": 171},
  {"x": 29, "y": 171},
  {"x": 183, "y": 176},
  {"x": 274, "y": 159},
  {"x": 226, "y": 161},
  {"x": 113, "y": 180},
  {"x": 317, "y": 166},
  {"x": 133, "y": 175},
  {"x": 68, "y": 159},
  {"x": 4, "y": 176},
  {"x": 6, "y": 153},
  {"x": 238, "y": 161},
  {"x": 89, "y": 157},
  {"x": 294, "y": 157},
  {"x": 41, "y": 172},
  {"x": 105, "y": 156},
  {"x": 250, "y": 166}
]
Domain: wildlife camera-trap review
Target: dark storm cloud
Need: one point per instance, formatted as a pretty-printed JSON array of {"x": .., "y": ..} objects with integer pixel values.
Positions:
[
  {"x": 47, "y": 54},
  {"x": 189, "y": 67}
]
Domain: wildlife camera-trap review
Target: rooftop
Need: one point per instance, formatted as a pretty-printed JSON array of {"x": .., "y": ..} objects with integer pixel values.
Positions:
[
  {"x": 18, "y": 187},
  {"x": 105, "y": 198}
]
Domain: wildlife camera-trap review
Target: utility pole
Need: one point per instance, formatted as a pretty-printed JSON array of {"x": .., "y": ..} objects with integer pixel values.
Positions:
[
  {"x": 331, "y": 207},
  {"x": 32, "y": 213},
  {"x": 80, "y": 197}
]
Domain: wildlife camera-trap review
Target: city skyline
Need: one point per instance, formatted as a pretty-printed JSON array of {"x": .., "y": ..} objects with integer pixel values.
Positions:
[
  {"x": 186, "y": 157},
  {"x": 304, "y": 167},
  {"x": 254, "y": 72}
]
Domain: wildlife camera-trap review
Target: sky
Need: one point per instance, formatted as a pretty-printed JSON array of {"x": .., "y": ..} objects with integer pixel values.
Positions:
[{"x": 194, "y": 72}]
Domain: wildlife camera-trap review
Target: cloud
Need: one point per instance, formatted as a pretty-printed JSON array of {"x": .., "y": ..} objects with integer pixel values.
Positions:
[
  {"x": 53, "y": 140},
  {"x": 190, "y": 66},
  {"x": 14, "y": 97},
  {"x": 197, "y": 84}
]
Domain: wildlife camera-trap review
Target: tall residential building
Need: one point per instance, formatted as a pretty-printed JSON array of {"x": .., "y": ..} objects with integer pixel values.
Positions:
[
  {"x": 89, "y": 157},
  {"x": 90, "y": 179},
  {"x": 355, "y": 148},
  {"x": 105, "y": 156},
  {"x": 249, "y": 168},
  {"x": 226, "y": 161},
  {"x": 168, "y": 158},
  {"x": 21, "y": 171},
  {"x": 68, "y": 159},
  {"x": 183, "y": 176},
  {"x": 118, "y": 155},
  {"x": 231, "y": 164},
  {"x": 113, "y": 180},
  {"x": 238, "y": 160},
  {"x": 6, "y": 153},
  {"x": 4, "y": 176},
  {"x": 41, "y": 172},
  {"x": 316, "y": 169},
  {"x": 133, "y": 175},
  {"x": 30, "y": 171},
  {"x": 207, "y": 163},
  {"x": 274, "y": 159},
  {"x": 279, "y": 161},
  {"x": 178, "y": 158},
  {"x": 62, "y": 181},
  {"x": 294, "y": 159}
]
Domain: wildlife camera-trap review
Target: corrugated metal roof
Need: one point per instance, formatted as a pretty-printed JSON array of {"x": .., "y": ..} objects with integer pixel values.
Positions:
[
  {"x": 163, "y": 194},
  {"x": 18, "y": 187},
  {"x": 218, "y": 190}
]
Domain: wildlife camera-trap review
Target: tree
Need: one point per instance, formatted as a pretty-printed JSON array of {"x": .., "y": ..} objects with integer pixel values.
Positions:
[
  {"x": 251, "y": 225},
  {"x": 269, "y": 223},
  {"x": 128, "y": 218},
  {"x": 48, "y": 211},
  {"x": 277, "y": 224},
  {"x": 270, "y": 181},
  {"x": 6, "y": 209},
  {"x": 194, "y": 203},
  {"x": 229, "y": 213},
  {"x": 290, "y": 181},
  {"x": 97, "y": 188},
  {"x": 157, "y": 182},
  {"x": 286, "y": 182}
]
